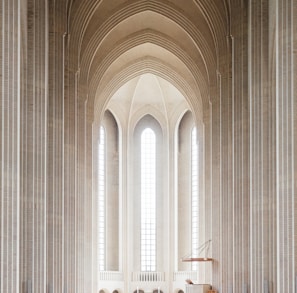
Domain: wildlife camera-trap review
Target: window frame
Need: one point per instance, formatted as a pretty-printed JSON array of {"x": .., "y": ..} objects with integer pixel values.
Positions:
[{"x": 148, "y": 226}]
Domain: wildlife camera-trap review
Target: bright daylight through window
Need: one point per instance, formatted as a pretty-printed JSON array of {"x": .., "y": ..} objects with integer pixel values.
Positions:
[
  {"x": 148, "y": 200},
  {"x": 101, "y": 201}
]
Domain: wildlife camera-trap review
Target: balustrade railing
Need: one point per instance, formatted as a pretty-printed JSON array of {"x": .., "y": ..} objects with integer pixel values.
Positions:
[
  {"x": 148, "y": 277},
  {"x": 110, "y": 276}
]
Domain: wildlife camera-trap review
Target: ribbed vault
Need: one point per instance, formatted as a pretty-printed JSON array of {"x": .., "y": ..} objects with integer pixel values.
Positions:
[
  {"x": 113, "y": 42},
  {"x": 151, "y": 64}
]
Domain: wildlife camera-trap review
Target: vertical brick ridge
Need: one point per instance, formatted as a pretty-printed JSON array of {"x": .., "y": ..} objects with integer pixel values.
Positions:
[
  {"x": 10, "y": 65},
  {"x": 33, "y": 151}
]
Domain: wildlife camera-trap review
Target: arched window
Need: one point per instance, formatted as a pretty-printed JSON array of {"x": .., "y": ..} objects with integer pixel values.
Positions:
[
  {"x": 194, "y": 195},
  {"x": 101, "y": 200},
  {"x": 148, "y": 200}
]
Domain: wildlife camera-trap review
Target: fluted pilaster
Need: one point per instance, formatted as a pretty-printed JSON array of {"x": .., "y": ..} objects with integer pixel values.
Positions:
[
  {"x": 55, "y": 224},
  {"x": 11, "y": 91},
  {"x": 262, "y": 157},
  {"x": 83, "y": 215},
  {"x": 70, "y": 187},
  {"x": 286, "y": 139},
  {"x": 229, "y": 170},
  {"x": 239, "y": 241},
  {"x": 272, "y": 143},
  {"x": 33, "y": 152}
]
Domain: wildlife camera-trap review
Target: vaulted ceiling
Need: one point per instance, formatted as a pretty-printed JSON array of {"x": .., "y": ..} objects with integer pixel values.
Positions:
[{"x": 114, "y": 42}]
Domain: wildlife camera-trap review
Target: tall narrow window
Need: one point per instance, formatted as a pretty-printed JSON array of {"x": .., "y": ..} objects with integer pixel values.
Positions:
[
  {"x": 194, "y": 194},
  {"x": 101, "y": 201},
  {"x": 148, "y": 200}
]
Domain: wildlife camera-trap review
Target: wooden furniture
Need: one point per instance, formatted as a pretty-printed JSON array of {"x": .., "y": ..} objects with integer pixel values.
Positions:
[{"x": 199, "y": 288}]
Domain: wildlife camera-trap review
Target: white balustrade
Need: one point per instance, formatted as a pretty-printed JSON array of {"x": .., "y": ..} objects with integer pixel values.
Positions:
[
  {"x": 110, "y": 276},
  {"x": 148, "y": 277}
]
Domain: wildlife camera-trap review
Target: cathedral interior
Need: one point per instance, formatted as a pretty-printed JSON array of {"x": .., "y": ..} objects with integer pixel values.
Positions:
[{"x": 148, "y": 142}]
